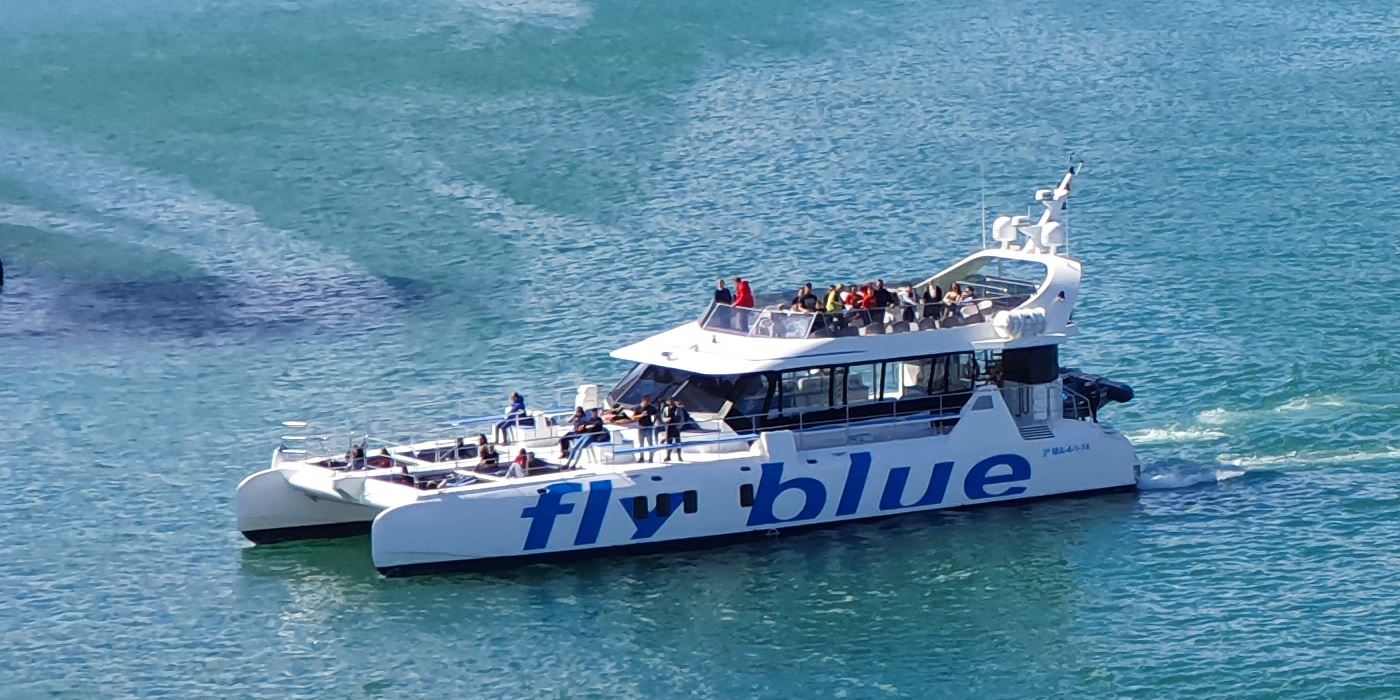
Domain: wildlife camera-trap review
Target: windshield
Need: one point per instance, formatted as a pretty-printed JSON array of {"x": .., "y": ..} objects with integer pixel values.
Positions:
[{"x": 699, "y": 392}]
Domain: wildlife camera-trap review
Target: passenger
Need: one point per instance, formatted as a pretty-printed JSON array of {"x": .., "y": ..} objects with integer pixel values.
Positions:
[
  {"x": 743, "y": 293},
  {"x": 954, "y": 295},
  {"x": 515, "y": 416},
  {"x": 459, "y": 451},
  {"x": 355, "y": 458},
  {"x": 908, "y": 304},
  {"x": 645, "y": 415},
  {"x": 592, "y": 429},
  {"x": 883, "y": 297},
  {"x": 520, "y": 466},
  {"x": 805, "y": 300},
  {"x": 867, "y": 302},
  {"x": 576, "y": 422},
  {"x": 488, "y": 454},
  {"x": 969, "y": 295},
  {"x": 673, "y": 418},
  {"x": 933, "y": 302},
  {"x": 722, "y": 293},
  {"x": 833, "y": 298}
]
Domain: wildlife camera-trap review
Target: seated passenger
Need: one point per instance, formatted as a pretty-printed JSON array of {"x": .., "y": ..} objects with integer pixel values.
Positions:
[
  {"x": 520, "y": 466},
  {"x": 593, "y": 429},
  {"x": 576, "y": 423},
  {"x": 515, "y": 415},
  {"x": 356, "y": 457},
  {"x": 488, "y": 454}
]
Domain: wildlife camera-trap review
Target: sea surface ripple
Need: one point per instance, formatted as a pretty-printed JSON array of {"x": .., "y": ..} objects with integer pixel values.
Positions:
[{"x": 216, "y": 215}]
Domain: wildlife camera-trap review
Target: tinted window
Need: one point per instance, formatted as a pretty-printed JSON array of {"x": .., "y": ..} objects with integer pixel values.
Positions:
[
  {"x": 750, "y": 393},
  {"x": 705, "y": 394},
  {"x": 861, "y": 383}
]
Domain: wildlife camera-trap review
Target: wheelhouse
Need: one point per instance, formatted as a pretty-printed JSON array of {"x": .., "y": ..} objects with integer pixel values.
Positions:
[{"x": 936, "y": 384}]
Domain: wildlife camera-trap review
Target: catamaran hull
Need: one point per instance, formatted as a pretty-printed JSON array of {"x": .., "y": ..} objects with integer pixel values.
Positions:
[
  {"x": 271, "y": 509},
  {"x": 685, "y": 545},
  {"x": 776, "y": 490}
]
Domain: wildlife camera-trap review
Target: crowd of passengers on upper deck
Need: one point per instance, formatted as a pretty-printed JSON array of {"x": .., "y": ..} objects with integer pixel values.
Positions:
[{"x": 848, "y": 305}]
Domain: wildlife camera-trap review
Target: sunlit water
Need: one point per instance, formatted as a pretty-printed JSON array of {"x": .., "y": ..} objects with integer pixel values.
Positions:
[{"x": 215, "y": 215}]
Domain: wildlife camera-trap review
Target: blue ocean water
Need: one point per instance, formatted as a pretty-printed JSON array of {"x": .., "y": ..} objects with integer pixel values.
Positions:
[{"x": 215, "y": 215}]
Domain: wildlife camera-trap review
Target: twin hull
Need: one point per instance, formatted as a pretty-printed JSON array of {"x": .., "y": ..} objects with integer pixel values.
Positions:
[{"x": 772, "y": 487}]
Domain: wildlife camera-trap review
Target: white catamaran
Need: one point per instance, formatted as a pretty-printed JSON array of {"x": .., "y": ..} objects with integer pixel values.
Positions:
[{"x": 791, "y": 419}]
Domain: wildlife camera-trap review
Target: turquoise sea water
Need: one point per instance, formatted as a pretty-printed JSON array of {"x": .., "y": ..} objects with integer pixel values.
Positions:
[{"x": 215, "y": 215}]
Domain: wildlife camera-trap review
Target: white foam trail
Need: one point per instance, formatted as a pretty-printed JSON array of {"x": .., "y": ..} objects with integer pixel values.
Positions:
[
  {"x": 1304, "y": 403},
  {"x": 1174, "y": 435},
  {"x": 559, "y": 14},
  {"x": 279, "y": 275},
  {"x": 1311, "y": 458},
  {"x": 1216, "y": 416},
  {"x": 1185, "y": 476}
]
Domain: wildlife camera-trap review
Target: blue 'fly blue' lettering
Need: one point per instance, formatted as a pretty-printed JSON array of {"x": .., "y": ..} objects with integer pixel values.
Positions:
[
  {"x": 933, "y": 495},
  {"x": 545, "y": 510},
  {"x": 771, "y": 485},
  {"x": 980, "y": 476}
]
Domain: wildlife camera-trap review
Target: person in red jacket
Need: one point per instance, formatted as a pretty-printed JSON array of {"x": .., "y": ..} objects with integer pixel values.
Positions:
[
  {"x": 743, "y": 293},
  {"x": 867, "y": 302}
]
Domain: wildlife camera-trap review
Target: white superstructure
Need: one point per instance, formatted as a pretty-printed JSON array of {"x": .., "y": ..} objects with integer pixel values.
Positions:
[{"x": 792, "y": 420}]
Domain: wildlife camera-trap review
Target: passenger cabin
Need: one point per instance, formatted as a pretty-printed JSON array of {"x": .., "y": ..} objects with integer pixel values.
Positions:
[{"x": 764, "y": 369}]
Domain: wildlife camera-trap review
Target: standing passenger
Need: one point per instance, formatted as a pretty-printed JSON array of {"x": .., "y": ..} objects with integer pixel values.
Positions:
[
  {"x": 833, "y": 298},
  {"x": 722, "y": 294},
  {"x": 743, "y": 293},
  {"x": 646, "y": 426},
  {"x": 672, "y": 417},
  {"x": 883, "y": 297}
]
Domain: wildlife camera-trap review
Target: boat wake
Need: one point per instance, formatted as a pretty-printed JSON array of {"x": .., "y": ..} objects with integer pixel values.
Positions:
[
  {"x": 1303, "y": 458},
  {"x": 1181, "y": 474},
  {"x": 1174, "y": 435}
]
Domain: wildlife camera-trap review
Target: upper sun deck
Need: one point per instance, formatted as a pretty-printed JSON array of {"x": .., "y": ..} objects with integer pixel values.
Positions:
[
  {"x": 1023, "y": 294},
  {"x": 1007, "y": 310}
]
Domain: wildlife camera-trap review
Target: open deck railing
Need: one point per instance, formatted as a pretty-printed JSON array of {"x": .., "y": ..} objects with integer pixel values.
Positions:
[{"x": 770, "y": 322}]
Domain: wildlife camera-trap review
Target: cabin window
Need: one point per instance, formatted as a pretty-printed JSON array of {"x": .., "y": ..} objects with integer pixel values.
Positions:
[
  {"x": 705, "y": 394},
  {"x": 646, "y": 380},
  {"x": 663, "y": 504},
  {"x": 913, "y": 376},
  {"x": 862, "y": 383},
  {"x": 746, "y": 495},
  {"x": 690, "y": 501},
  {"x": 805, "y": 390},
  {"x": 889, "y": 380},
  {"x": 962, "y": 372},
  {"x": 639, "y": 508},
  {"x": 750, "y": 395}
]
